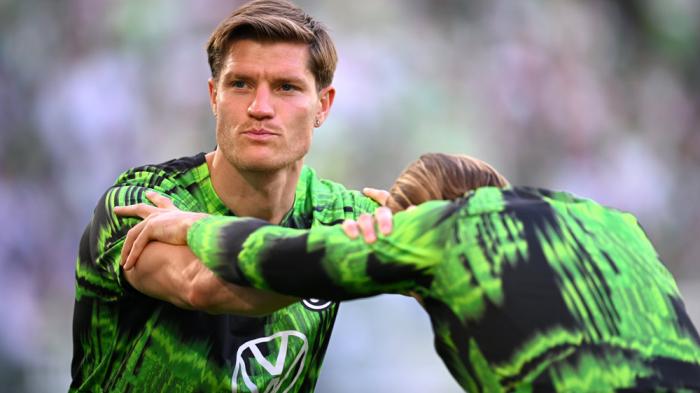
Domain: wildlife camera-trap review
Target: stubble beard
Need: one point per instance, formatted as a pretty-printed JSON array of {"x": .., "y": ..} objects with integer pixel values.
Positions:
[{"x": 283, "y": 159}]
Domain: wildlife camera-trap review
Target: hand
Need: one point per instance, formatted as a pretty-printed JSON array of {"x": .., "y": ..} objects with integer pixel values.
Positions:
[
  {"x": 163, "y": 222},
  {"x": 365, "y": 224}
]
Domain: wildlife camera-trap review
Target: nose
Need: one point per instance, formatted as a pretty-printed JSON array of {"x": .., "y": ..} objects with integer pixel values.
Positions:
[{"x": 261, "y": 107}]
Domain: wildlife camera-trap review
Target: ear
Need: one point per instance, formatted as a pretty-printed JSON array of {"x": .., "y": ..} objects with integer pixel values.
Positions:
[
  {"x": 326, "y": 97},
  {"x": 212, "y": 94}
]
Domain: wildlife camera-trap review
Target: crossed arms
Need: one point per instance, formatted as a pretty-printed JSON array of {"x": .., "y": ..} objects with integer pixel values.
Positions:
[
  {"x": 172, "y": 273},
  {"x": 322, "y": 262}
]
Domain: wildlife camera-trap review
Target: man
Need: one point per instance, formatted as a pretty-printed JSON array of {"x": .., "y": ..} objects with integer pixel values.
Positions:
[{"x": 271, "y": 71}]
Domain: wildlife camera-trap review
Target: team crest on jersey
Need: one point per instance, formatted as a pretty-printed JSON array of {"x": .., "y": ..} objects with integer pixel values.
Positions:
[
  {"x": 316, "y": 304},
  {"x": 270, "y": 374}
]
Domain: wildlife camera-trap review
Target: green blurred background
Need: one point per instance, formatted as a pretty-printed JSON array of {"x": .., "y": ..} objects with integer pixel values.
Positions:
[{"x": 601, "y": 98}]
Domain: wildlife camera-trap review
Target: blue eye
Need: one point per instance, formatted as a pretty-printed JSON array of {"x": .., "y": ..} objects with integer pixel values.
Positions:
[
  {"x": 287, "y": 87},
  {"x": 238, "y": 84}
]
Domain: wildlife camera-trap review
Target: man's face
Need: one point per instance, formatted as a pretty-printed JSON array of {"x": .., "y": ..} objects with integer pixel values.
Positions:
[{"x": 266, "y": 103}]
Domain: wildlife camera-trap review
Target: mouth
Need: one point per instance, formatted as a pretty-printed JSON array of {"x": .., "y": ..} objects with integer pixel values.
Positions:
[{"x": 259, "y": 134}]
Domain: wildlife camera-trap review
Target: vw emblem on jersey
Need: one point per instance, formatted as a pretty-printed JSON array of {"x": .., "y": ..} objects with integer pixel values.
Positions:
[
  {"x": 283, "y": 373},
  {"x": 316, "y": 304}
]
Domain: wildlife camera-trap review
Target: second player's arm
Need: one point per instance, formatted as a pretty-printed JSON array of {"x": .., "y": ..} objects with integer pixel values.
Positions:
[{"x": 322, "y": 262}]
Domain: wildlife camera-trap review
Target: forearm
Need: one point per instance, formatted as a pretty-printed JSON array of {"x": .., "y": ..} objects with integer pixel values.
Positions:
[
  {"x": 165, "y": 272},
  {"x": 175, "y": 275}
]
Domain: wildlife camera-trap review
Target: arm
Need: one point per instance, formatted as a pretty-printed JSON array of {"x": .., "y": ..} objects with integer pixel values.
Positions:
[
  {"x": 184, "y": 284},
  {"x": 175, "y": 275},
  {"x": 323, "y": 262}
]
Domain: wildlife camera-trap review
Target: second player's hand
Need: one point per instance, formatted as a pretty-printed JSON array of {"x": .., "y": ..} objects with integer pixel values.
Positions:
[
  {"x": 163, "y": 222},
  {"x": 365, "y": 225}
]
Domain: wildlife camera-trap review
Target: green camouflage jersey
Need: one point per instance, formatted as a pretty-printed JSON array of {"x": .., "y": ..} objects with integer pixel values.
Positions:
[
  {"x": 527, "y": 290},
  {"x": 126, "y": 341}
]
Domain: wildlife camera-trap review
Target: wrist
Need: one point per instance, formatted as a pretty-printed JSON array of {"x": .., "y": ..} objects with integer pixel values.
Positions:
[{"x": 192, "y": 219}]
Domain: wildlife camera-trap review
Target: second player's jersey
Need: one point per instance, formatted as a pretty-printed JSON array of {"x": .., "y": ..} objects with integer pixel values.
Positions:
[
  {"x": 126, "y": 341},
  {"x": 526, "y": 289}
]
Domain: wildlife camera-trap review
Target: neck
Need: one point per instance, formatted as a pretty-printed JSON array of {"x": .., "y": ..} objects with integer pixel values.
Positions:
[{"x": 264, "y": 195}]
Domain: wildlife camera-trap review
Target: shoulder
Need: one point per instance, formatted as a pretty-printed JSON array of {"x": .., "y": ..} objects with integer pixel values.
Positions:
[
  {"x": 561, "y": 202},
  {"x": 169, "y": 178},
  {"x": 566, "y": 204},
  {"x": 175, "y": 178},
  {"x": 488, "y": 200},
  {"x": 541, "y": 207},
  {"x": 169, "y": 173},
  {"x": 329, "y": 202}
]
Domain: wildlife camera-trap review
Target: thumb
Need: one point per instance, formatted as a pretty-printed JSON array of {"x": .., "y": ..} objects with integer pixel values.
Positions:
[{"x": 379, "y": 196}]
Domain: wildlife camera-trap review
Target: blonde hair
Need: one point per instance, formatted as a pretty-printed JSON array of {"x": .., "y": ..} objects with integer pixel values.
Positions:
[
  {"x": 441, "y": 176},
  {"x": 275, "y": 21}
]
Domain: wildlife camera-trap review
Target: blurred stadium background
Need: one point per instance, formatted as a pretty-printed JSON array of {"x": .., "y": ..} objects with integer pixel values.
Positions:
[{"x": 601, "y": 98}]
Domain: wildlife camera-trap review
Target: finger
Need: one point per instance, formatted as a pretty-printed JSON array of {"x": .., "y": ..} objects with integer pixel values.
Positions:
[
  {"x": 138, "y": 210},
  {"x": 379, "y": 196},
  {"x": 160, "y": 200},
  {"x": 351, "y": 229},
  {"x": 126, "y": 247},
  {"x": 383, "y": 217},
  {"x": 366, "y": 223},
  {"x": 131, "y": 236},
  {"x": 138, "y": 246}
]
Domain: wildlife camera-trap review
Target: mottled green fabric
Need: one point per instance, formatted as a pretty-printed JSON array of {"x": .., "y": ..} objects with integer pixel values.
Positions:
[
  {"x": 527, "y": 289},
  {"x": 125, "y": 341}
]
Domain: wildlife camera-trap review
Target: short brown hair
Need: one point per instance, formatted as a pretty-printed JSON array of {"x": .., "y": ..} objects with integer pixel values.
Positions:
[
  {"x": 441, "y": 176},
  {"x": 275, "y": 21}
]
